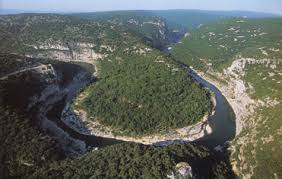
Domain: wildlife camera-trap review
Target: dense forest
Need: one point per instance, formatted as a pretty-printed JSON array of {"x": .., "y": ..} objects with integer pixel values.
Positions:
[{"x": 142, "y": 95}]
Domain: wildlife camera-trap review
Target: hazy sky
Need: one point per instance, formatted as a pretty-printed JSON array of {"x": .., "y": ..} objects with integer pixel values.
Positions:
[{"x": 274, "y": 6}]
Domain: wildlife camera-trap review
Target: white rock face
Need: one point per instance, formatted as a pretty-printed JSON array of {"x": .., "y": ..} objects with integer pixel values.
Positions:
[
  {"x": 274, "y": 49},
  {"x": 240, "y": 87},
  {"x": 133, "y": 21},
  {"x": 184, "y": 170},
  {"x": 236, "y": 90},
  {"x": 47, "y": 46},
  {"x": 70, "y": 118},
  {"x": 52, "y": 93},
  {"x": 137, "y": 50},
  {"x": 68, "y": 143},
  {"x": 159, "y": 23},
  {"x": 81, "y": 51}
]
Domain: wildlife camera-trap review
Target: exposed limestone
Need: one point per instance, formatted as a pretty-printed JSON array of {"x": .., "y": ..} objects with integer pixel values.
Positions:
[
  {"x": 137, "y": 50},
  {"x": 185, "y": 134},
  {"x": 279, "y": 131},
  {"x": 184, "y": 170},
  {"x": 68, "y": 143},
  {"x": 236, "y": 91},
  {"x": 267, "y": 140},
  {"x": 244, "y": 108},
  {"x": 274, "y": 50},
  {"x": 52, "y": 93},
  {"x": 71, "y": 118},
  {"x": 158, "y": 23},
  {"x": 40, "y": 69},
  {"x": 69, "y": 51}
]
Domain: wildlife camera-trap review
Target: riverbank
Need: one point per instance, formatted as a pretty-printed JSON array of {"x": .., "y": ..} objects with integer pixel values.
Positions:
[
  {"x": 180, "y": 135},
  {"x": 235, "y": 93}
]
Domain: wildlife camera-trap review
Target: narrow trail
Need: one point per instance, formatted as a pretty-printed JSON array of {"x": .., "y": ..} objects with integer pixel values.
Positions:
[{"x": 37, "y": 68}]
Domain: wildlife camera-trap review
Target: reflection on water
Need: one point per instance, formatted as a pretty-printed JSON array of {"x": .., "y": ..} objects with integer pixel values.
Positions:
[{"x": 222, "y": 122}]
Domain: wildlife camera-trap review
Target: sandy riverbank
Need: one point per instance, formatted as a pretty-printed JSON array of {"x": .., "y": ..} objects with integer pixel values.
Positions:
[{"x": 185, "y": 134}]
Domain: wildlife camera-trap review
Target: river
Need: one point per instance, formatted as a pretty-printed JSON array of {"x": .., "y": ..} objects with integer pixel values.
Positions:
[{"x": 222, "y": 122}]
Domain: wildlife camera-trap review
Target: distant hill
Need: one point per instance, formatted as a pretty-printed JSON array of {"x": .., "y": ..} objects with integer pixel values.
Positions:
[
  {"x": 219, "y": 43},
  {"x": 190, "y": 19},
  {"x": 163, "y": 27},
  {"x": 179, "y": 19},
  {"x": 21, "y": 11},
  {"x": 173, "y": 23},
  {"x": 153, "y": 28}
]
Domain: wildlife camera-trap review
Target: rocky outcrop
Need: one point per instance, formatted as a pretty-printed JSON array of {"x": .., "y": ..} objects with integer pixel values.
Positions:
[
  {"x": 235, "y": 90},
  {"x": 67, "y": 143},
  {"x": 238, "y": 94},
  {"x": 40, "y": 69},
  {"x": 41, "y": 88},
  {"x": 54, "y": 93},
  {"x": 71, "y": 118},
  {"x": 159, "y": 37},
  {"x": 79, "y": 121},
  {"x": 183, "y": 171},
  {"x": 66, "y": 51}
]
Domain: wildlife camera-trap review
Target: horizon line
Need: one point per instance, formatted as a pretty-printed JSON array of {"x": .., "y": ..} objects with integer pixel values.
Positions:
[{"x": 21, "y": 11}]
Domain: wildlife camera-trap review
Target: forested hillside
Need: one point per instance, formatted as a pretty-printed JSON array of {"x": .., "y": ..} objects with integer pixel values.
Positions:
[
  {"x": 178, "y": 21},
  {"x": 145, "y": 95},
  {"x": 35, "y": 34},
  {"x": 146, "y": 24},
  {"x": 218, "y": 44}
]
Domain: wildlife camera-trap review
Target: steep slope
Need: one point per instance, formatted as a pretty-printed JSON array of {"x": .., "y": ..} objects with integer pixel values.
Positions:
[
  {"x": 61, "y": 37},
  {"x": 27, "y": 93},
  {"x": 218, "y": 44},
  {"x": 243, "y": 57},
  {"x": 152, "y": 28},
  {"x": 188, "y": 20},
  {"x": 177, "y": 22}
]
